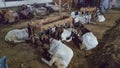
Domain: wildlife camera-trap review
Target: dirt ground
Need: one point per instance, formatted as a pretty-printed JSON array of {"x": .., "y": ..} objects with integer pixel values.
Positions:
[{"x": 23, "y": 54}]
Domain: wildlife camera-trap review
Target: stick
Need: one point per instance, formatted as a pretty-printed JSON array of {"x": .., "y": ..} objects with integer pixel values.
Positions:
[
  {"x": 60, "y": 7},
  {"x": 32, "y": 32}
]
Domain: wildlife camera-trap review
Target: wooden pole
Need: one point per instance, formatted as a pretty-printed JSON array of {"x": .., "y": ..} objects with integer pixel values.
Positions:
[
  {"x": 32, "y": 32},
  {"x": 60, "y": 7}
]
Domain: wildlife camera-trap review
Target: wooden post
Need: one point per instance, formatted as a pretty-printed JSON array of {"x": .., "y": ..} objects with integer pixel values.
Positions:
[
  {"x": 32, "y": 32},
  {"x": 60, "y": 7},
  {"x": 69, "y": 4}
]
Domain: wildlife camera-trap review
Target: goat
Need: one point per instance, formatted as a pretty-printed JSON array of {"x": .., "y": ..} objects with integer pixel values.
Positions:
[
  {"x": 40, "y": 11},
  {"x": 25, "y": 12},
  {"x": 2, "y": 20},
  {"x": 67, "y": 34},
  {"x": 100, "y": 16},
  {"x": 11, "y": 16},
  {"x": 81, "y": 18},
  {"x": 61, "y": 54},
  {"x": 63, "y": 34},
  {"x": 76, "y": 40},
  {"x": 17, "y": 35},
  {"x": 88, "y": 38},
  {"x": 54, "y": 7}
]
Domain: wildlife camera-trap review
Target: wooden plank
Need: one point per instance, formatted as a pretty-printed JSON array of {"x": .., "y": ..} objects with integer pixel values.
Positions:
[
  {"x": 50, "y": 19},
  {"x": 32, "y": 33},
  {"x": 41, "y": 26},
  {"x": 87, "y": 9},
  {"x": 61, "y": 22}
]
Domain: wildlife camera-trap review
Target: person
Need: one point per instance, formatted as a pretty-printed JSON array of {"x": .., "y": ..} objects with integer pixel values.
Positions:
[
  {"x": 104, "y": 5},
  {"x": 113, "y": 3},
  {"x": 3, "y": 63},
  {"x": 88, "y": 2},
  {"x": 80, "y": 4}
]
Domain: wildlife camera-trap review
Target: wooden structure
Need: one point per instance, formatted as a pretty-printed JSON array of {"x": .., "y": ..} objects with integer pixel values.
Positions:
[
  {"x": 45, "y": 24},
  {"x": 63, "y": 3},
  {"x": 88, "y": 9}
]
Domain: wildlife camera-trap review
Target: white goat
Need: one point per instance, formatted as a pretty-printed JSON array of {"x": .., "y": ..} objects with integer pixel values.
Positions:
[
  {"x": 11, "y": 16},
  {"x": 17, "y": 35},
  {"x": 89, "y": 40},
  {"x": 37, "y": 11},
  {"x": 62, "y": 54},
  {"x": 84, "y": 18},
  {"x": 67, "y": 33},
  {"x": 54, "y": 7},
  {"x": 100, "y": 17},
  {"x": 40, "y": 11}
]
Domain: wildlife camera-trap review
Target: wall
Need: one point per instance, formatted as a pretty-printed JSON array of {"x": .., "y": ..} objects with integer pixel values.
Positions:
[
  {"x": 16, "y": 3},
  {"x": 118, "y": 3}
]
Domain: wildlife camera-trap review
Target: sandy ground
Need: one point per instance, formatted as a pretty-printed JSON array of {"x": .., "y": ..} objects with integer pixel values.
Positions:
[{"x": 24, "y": 54}]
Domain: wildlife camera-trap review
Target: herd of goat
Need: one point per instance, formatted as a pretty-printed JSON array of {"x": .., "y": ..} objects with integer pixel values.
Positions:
[
  {"x": 35, "y": 10},
  {"x": 26, "y": 12},
  {"x": 52, "y": 41}
]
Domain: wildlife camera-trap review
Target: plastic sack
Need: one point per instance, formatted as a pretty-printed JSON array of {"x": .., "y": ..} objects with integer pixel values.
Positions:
[
  {"x": 89, "y": 40},
  {"x": 3, "y": 62},
  {"x": 101, "y": 18}
]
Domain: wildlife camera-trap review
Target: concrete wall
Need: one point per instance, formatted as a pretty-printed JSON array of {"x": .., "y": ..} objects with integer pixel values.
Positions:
[{"x": 16, "y": 3}]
